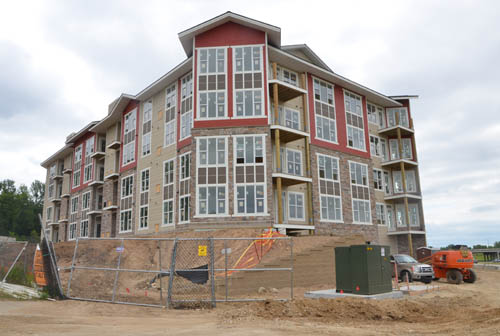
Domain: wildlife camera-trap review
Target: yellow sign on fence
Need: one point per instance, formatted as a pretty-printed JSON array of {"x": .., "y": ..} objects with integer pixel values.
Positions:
[{"x": 202, "y": 250}]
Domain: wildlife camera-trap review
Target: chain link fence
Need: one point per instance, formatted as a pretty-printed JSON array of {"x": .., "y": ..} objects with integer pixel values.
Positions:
[
  {"x": 16, "y": 262},
  {"x": 176, "y": 272}
]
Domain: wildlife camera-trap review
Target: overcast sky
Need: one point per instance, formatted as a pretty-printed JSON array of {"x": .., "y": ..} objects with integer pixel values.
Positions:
[{"x": 63, "y": 62}]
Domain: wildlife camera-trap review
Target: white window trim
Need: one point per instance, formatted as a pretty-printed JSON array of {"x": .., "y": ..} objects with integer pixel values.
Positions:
[
  {"x": 198, "y": 73},
  {"x": 412, "y": 205},
  {"x": 120, "y": 221},
  {"x": 89, "y": 200},
  {"x": 336, "y": 142},
  {"x": 226, "y": 165},
  {"x": 174, "y": 193},
  {"x": 140, "y": 218},
  {"x": 192, "y": 107},
  {"x": 397, "y": 109},
  {"x": 91, "y": 160},
  {"x": 296, "y": 219},
  {"x": 347, "y": 125},
  {"x": 81, "y": 225},
  {"x": 69, "y": 231},
  {"x": 322, "y": 220},
  {"x": 382, "y": 185},
  {"x": 149, "y": 181},
  {"x": 370, "y": 222},
  {"x": 121, "y": 186},
  {"x": 78, "y": 148},
  {"x": 384, "y": 207},
  {"x": 150, "y": 133},
  {"x": 51, "y": 219},
  {"x": 286, "y": 161},
  {"x": 173, "y": 121},
  {"x": 185, "y": 179},
  {"x": 264, "y": 163},
  {"x": 233, "y": 62},
  {"x": 132, "y": 142},
  {"x": 71, "y": 205}
]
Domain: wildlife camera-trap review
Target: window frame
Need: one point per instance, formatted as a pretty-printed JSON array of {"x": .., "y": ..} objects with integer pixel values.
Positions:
[
  {"x": 189, "y": 113},
  {"x": 198, "y": 91},
  {"x": 82, "y": 223},
  {"x": 169, "y": 138},
  {"x": 355, "y": 128},
  {"x": 378, "y": 179},
  {"x": 88, "y": 199},
  {"x": 317, "y": 115},
  {"x": 353, "y": 200},
  {"x": 72, "y": 231},
  {"x": 296, "y": 219},
  {"x": 335, "y": 197},
  {"x": 122, "y": 212},
  {"x": 132, "y": 144},
  {"x": 77, "y": 171},
  {"x": 382, "y": 209},
  {"x": 187, "y": 196},
  {"x": 148, "y": 135},
  {"x": 174, "y": 190}
]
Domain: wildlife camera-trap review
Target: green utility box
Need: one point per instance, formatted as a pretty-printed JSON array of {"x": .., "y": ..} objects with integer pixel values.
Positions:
[{"x": 363, "y": 269}]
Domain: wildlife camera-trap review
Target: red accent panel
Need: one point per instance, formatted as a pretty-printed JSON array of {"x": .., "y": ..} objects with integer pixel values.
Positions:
[
  {"x": 229, "y": 62},
  {"x": 82, "y": 141},
  {"x": 341, "y": 122},
  {"x": 231, "y": 122},
  {"x": 133, "y": 104},
  {"x": 228, "y": 34},
  {"x": 185, "y": 142}
]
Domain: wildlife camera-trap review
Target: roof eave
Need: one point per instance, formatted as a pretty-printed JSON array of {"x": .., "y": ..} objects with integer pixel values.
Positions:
[
  {"x": 60, "y": 154},
  {"x": 81, "y": 132}
]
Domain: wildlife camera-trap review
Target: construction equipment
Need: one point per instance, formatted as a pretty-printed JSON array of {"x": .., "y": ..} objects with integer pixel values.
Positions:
[{"x": 454, "y": 265}]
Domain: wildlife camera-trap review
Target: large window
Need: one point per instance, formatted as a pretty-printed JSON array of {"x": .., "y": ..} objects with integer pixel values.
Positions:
[
  {"x": 375, "y": 148},
  {"x": 384, "y": 153},
  {"x": 49, "y": 214},
  {"x": 146, "y": 127},
  {"x": 212, "y": 176},
  {"x": 248, "y": 81},
  {"x": 397, "y": 180},
  {"x": 86, "y": 201},
  {"x": 324, "y": 108},
  {"x": 184, "y": 186},
  {"x": 292, "y": 161},
  {"x": 89, "y": 149},
  {"x": 168, "y": 192},
  {"x": 329, "y": 188},
  {"x": 212, "y": 83},
  {"x": 129, "y": 130},
  {"x": 360, "y": 193},
  {"x": 77, "y": 165},
  {"x": 378, "y": 182},
  {"x": 401, "y": 113},
  {"x": 387, "y": 183},
  {"x": 375, "y": 115},
  {"x": 126, "y": 220},
  {"x": 249, "y": 174},
  {"x": 126, "y": 204},
  {"x": 295, "y": 206},
  {"x": 381, "y": 213},
  {"x": 354, "y": 121},
  {"x": 74, "y": 205},
  {"x": 127, "y": 186},
  {"x": 170, "y": 111},
  {"x": 287, "y": 76},
  {"x": 72, "y": 231},
  {"x": 186, "y": 105},
  {"x": 144, "y": 205},
  {"x": 414, "y": 217},
  {"x": 84, "y": 228}
]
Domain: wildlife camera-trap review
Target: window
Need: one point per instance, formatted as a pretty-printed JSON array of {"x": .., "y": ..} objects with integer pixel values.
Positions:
[
  {"x": 378, "y": 183},
  {"x": 354, "y": 121},
  {"x": 287, "y": 76},
  {"x": 184, "y": 186},
  {"x": 295, "y": 206},
  {"x": 89, "y": 149},
  {"x": 49, "y": 213},
  {"x": 146, "y": 127},
  {"x": 360, "y": 193},
  {"x": 400, "y": 215},
  {"x": 51, "y": 190},
  {"x": 126, "y": 220},
  {"x": 383, "y": 149},
  {"x": 130, "y": 124},
  {"x": 248, "y": 81},
  {"x": 144, "y": 199},
  {"x": 168, "y": 192},
  {"x": 186, "y": 105},
  {"x": 84, "y": 228},
  {"x": 324, "y": 108},
  {"x": 375, "y": 148},
  {"x": 74, "y": 205},
  {"x": 127, "y": 186},
  {"x": 397, "y": 181},
  {"x": 375, "y": 114},
  {"x": 293, "y": 161},
  {"x": 381, "y": 214},
  {"x": 249, "y": 174},
  {"x": 407, "y": 150},
  {"x": 86, "y": 201},
  {"x": 329, "y": 188},
  {"x": 411, "y": 185},
  {"x": 77, "y": 165},
  {"x": 212, "y": 83},
  {"x": 401, "y": 113},
  {"x": 413, "y": 212},
  {"x": 390, "y": 218},
  {"x": 212, "y": 176},
  {"x": 72, "y": 231},
  {"x": 393, "y": 144},
  {"x": 387, "y": 183},
  {"x": 170, "y": 109},
  {"x": 52, "y": 170},
  {"x": 292, "y": 118}
]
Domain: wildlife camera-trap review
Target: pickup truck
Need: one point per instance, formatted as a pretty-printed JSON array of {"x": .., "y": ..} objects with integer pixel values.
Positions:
[{"x": 407, "y": 266}]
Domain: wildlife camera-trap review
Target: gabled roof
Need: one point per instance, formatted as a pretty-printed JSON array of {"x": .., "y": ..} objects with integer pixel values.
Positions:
[
  {"x": 186, "y": 36},
  {"x": 114, "y": 114},
  {"x": 311, "y": 55}
]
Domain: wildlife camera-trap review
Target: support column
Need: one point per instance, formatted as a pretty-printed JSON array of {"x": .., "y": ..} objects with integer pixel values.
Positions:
[
  {"x": 403, "y": 178},
  {"x": 277, "y": 144}
]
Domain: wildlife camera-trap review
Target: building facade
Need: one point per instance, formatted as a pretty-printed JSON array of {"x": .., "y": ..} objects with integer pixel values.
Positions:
[{"x": 244, "y": 133}]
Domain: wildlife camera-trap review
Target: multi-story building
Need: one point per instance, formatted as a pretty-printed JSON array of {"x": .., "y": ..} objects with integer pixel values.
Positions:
[{"x": 246, "y": 133}]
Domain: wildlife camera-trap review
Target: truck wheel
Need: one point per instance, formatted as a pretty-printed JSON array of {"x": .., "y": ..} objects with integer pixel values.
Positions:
[
  {"x": 454, "y": 276},
  {"x": 403, "y": 276},
  {"x": 472, "y": 277},
  {"x": 427, "y": 280}
]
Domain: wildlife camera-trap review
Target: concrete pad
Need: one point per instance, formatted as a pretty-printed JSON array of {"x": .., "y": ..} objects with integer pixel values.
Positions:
[
  {"x": 417, "y": 289},
  {"x": 332, "y": 294}
]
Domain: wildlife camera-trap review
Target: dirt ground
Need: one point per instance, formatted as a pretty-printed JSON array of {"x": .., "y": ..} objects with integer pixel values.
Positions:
[{"x": 467, "y": 309}]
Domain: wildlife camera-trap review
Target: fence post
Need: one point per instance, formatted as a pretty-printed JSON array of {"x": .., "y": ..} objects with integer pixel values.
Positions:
[
  {"x": 225, "y": 267},
  {"x": 72, "y": 266},
  {"x": 291, "y": 271},
  {"x": 212, "y": 273},
  {"x": 172, "y": 274},
  {"x": 161, "y": 277},
  {"x": 117, "y": 271}
]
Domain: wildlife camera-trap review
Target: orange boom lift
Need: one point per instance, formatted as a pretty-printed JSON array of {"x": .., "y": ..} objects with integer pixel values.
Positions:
[{"x": 454, "y": 265}]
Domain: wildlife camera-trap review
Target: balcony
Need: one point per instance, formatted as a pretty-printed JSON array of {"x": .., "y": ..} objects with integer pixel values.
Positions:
[
  {"x": 392, "y": 131},
  {"x": 99, "y": 174},
  {"x": 292, "y": 168},
  {"x": 96, "y": 207},
  {"x": 287, "y": 82},
  {"x": 400, "y": 196},
  {"x": 396, "y": 163},
  {"x": 63, "y": 220},
  {"x": 115, "y": 144},
  {"x": 58, "y": 176},
  {"x": 112, "y": 176},
  {"x": 97, "y": 155},
  {"x": 67, "y": 170},
  {"x": 289, "y": 123}
]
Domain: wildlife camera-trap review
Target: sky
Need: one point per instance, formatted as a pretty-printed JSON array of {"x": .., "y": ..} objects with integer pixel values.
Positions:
[{"x": 63, "y": 62}]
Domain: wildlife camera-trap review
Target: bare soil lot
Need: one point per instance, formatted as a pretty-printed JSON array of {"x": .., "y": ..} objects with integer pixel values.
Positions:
[{"x": 467, "y": 309}]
